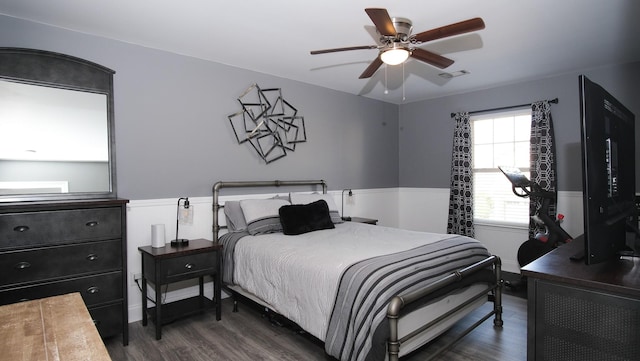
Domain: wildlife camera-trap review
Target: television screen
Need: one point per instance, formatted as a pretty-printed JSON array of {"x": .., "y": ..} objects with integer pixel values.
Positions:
[{"x": 608, "y": 171}]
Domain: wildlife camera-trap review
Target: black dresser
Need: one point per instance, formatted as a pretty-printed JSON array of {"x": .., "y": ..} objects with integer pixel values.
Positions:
[
  {"x": 55, "y": 247},
  {"x": 582, "y": 312}
]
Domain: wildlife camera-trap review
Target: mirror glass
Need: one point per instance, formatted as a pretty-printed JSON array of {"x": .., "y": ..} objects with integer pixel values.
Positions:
[{"x": 53, "y": 140}]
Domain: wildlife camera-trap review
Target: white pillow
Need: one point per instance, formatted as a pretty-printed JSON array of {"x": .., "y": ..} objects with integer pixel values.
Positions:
[
  {"x": 262, "y": 215},
  {"x": 306, "y": 198}
]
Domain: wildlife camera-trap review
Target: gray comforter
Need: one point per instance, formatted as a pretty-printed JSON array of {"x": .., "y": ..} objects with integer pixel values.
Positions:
[{"x": 357, "y": 328}]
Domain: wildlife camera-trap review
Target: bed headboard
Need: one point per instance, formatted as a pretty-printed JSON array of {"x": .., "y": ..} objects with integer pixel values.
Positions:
[{"x": 254, "y": 184}]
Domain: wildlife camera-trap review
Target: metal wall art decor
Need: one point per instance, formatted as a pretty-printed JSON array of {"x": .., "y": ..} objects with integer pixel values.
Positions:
[{"x": 268, "y": 122}]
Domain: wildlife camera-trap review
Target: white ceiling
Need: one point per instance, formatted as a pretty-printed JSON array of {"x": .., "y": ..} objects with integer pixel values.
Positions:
[{"x": 524, "y": 39}]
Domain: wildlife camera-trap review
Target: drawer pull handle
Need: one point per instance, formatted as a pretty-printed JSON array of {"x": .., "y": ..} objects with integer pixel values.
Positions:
[
  {"x": 22, "y": 265},
  {"x": 93, "y": 290},
  {"x": 21, "y": 229},
  {"x": 91, "y": 223},
  {"x": 189, "y": 265},
  {"x": 92, "y": 257}
]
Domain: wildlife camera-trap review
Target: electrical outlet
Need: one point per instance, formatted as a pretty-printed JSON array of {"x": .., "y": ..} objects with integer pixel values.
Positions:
[{"x": 137, "y": 276}]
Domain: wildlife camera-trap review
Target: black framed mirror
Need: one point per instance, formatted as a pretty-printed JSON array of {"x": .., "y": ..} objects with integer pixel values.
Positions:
[{"x": 56, "y": 127}]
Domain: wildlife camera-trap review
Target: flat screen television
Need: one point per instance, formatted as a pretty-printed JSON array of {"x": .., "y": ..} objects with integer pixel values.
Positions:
[{"x": 608, "y": 172}]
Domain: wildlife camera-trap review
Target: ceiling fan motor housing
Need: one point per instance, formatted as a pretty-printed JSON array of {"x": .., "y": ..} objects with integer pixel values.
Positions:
[{"x": 403, "y": 28}]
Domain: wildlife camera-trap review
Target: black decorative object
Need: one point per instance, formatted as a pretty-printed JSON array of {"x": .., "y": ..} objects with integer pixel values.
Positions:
[
  {"x": 268, "y": 122},
  {"x": 303, "y": 218},
  {"x": 180, "y": 241}
]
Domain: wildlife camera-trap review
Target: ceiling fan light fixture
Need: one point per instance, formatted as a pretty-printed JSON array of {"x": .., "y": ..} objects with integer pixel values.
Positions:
[{"x": 394, "y": 56}]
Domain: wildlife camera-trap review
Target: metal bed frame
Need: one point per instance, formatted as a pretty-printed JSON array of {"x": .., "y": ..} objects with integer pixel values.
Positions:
[{"x": 493, "y": 292}]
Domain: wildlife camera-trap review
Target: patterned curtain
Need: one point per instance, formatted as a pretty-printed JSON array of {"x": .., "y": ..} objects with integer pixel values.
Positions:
[
  {"x": 543, "y": 160},
  {"x": 460, "y": 219}
]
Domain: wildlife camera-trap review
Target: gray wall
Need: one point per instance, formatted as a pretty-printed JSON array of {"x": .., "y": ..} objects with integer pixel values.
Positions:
[
  {"x": 426, "y": 127},
  {"x": 173, "y": 137}
]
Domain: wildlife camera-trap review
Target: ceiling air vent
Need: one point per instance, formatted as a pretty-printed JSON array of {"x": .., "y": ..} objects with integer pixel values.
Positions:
[{"x": 454, "y": 74}]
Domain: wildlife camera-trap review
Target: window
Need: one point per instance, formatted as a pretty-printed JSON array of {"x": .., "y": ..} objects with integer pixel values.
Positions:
[{"x": 500, "y": 139}]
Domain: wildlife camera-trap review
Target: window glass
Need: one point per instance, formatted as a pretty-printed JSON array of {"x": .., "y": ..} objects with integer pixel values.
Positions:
[{"x": 500, "y": 139}]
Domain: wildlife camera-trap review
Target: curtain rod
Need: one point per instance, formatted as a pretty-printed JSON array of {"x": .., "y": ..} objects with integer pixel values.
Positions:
[{"x": 554, "y": 101}]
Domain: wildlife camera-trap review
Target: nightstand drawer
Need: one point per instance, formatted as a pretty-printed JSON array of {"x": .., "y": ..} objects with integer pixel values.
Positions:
[
  {"x": 20, "y": 230},
  {"x": 188, "y": 267},
  {"x": 94, "y": 289},
  {"x": 49, "y": 263}
]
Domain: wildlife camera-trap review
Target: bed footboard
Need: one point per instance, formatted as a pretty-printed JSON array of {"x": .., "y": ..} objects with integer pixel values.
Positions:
[{"x": 398, "y": 303}]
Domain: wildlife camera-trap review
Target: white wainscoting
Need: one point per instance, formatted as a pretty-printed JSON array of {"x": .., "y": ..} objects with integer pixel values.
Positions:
[
  {"x": 421, "y": 209},
  {"x": 381, "y": 204},
  {"x": 426, "y": 209}
]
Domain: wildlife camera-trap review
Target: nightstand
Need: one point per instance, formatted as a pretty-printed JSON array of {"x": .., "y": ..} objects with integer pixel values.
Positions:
[
  {"x": 162, "y": 266},
  {"x": 361, "y": 220}
]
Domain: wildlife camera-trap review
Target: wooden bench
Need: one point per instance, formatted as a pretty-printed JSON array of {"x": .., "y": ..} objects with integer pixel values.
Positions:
[{"x": 53, "y": 328}]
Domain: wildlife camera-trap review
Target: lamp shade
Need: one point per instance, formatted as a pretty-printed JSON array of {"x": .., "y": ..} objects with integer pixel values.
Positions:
[{"x": 394, "y": 56}]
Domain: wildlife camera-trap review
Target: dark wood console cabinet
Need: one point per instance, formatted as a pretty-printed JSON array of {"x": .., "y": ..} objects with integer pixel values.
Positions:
[
  {"x": 51, "y": 248},
  {"x": 582, "y": 312}
]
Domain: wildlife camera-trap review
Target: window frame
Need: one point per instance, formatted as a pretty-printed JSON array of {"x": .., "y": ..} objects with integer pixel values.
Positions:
[{"x": 523, "y": 111}]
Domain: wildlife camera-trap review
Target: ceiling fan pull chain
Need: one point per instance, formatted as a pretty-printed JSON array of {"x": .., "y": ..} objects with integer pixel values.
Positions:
[
  {"x": 386, "y": 87},
  {"x": 403, "y": 94}
]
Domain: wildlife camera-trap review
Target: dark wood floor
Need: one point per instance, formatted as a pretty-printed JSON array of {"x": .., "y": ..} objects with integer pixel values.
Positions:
[{"x": 247, "y": 335}]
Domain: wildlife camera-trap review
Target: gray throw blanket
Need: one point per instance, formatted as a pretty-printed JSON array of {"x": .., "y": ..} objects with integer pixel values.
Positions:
[
  {"x": 229, "y": 241},
  {"x": 366, "y": 288}
]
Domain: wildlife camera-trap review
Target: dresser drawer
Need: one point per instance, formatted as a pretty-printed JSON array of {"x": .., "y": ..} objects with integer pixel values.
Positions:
[
  {"x": 108, "y": 319},
  {"x": 49, "y": 263},
  {"x": 175, "y": 269},
  {"x": 95, "y": 290},
  {"x": 20, "y": 230}
]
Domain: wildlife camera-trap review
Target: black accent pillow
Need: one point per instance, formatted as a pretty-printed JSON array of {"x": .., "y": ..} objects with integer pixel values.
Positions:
[{"x": 304, "y": 218}]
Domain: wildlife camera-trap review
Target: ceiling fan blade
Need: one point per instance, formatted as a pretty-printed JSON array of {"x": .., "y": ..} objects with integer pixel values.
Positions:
[
  {"x": 315, "y": 52},
  {"x": 431, "y": 58},
  {"x": 450, "y": 30},
  {"x": 372, "y": 68},
  {"x": 382, "y": 21}
]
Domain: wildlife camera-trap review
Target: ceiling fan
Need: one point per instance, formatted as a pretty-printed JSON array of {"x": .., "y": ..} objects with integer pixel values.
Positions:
[{"x": 398, "y": 44}]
